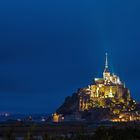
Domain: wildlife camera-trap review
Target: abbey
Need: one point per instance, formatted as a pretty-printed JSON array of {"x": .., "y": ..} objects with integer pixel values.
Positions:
[
  {"x": 106, "y": 98},
  {"x": 108, "y": 87}
]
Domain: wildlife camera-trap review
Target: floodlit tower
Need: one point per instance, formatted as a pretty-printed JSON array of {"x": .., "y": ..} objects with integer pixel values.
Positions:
[
  {"x": 106, "y": 73},
  {"x": 106, "y": 61}
]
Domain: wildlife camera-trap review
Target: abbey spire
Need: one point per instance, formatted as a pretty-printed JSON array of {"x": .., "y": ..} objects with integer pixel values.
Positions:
[
  {"x": 106, "y": 64},
  {"x": 106, "y": 61}
]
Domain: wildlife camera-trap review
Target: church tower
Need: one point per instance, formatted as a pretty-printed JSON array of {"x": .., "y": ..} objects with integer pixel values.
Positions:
[{"x": 106, "y": 73}]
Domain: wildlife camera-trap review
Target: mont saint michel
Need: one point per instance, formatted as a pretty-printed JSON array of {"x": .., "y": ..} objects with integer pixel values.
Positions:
[{"x": 107, "y": 98}]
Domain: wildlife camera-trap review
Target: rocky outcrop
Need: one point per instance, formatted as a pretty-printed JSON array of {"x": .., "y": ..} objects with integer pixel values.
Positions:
[{"x": 70, "y": 105}]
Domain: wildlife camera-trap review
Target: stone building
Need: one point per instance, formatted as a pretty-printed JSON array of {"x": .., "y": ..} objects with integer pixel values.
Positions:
[{"x": 108, "y": 87}]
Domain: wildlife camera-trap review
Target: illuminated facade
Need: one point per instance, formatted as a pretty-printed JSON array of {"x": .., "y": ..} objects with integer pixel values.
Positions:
[
  {"x": 108, "y": 87},
  {"x": 127, "y": 117},
  {"x": 57, "y": 118}
]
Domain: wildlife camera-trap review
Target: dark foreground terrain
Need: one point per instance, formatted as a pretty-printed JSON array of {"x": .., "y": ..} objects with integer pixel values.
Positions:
[{"x": 70, "y": 131}]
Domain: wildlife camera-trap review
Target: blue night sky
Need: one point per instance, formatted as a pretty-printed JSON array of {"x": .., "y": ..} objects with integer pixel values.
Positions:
[{"x": 49, "y": 48}]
